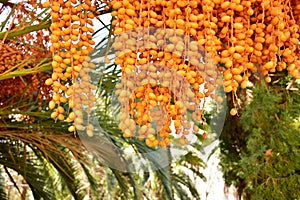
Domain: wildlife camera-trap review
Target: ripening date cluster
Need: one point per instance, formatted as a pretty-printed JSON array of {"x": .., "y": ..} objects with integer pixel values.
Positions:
[
  {"x": 243, "y": 37},
  {"x": 71, "y": 38},
  {"x": 158, "y": 87}
]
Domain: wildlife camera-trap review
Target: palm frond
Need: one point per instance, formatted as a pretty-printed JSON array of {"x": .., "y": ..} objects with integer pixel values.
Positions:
[
  {"x": 93, "y": 181},
  {"x": 187, "y": 182},
  {"x": 3, "y": 193},
  {"x": 60, "y": 150},
  {"x": 26, "y": 165},
  {"x": 27, "y": 29}
]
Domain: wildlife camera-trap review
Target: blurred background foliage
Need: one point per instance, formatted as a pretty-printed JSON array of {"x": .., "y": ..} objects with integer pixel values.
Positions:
[{"x": 260, "y": 148}]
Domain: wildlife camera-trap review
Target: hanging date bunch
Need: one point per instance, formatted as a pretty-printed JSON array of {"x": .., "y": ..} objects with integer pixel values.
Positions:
[
  {"x": 29, "y": 86},
  {"x": 71, "y": 38},
  {"x": 260, "y": 37},
  {"x": 23, "y": 52},
  {"x": 166, "y": 73},
  {"x": 243, "y": 37}
]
